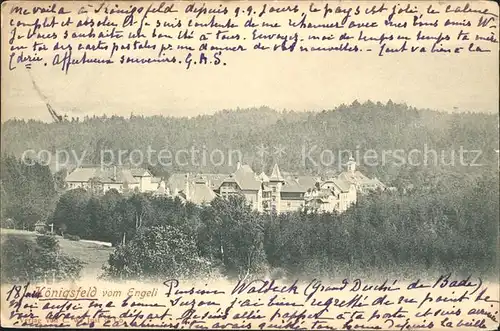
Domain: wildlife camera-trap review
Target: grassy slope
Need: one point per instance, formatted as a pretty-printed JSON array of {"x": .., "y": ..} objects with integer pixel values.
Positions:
[{"x": 94, "y": 255}]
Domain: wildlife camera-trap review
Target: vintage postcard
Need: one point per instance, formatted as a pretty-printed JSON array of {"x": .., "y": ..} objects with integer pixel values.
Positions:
[{"x": 259, "y": 165}]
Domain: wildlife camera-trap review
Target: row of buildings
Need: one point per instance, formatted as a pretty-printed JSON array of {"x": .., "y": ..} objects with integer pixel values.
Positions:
[
  {"x": 102, "y": 179},
  {"x": 279, "y": 192}
]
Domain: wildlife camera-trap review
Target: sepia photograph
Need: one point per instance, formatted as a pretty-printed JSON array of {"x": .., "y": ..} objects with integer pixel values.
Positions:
[{"x": 352, "y": 147}]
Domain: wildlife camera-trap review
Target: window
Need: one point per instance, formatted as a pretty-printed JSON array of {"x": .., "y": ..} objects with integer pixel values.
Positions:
[
  {"x": 289, "y": 204},
  {"x": 274, "y": 189}
]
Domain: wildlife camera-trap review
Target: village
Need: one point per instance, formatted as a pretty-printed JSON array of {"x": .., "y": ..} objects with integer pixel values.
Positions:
[{"x": 278, "y": 191}]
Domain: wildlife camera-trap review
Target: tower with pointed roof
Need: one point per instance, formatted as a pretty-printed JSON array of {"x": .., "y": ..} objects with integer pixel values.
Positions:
[
  {"x": 351, "y": 165},
  {"x": 276, "y": 174},
  {"x": 276, "y": 182}
]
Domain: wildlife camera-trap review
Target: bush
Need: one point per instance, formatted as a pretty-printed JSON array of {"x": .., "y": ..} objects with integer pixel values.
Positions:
[
  {"x": 49, "y": 243},
  {"x": 158, "y": 252},
  {"x": 42, "y": 231}
]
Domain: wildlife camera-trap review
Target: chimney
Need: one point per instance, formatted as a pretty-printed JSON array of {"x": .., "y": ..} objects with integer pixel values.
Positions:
[{"x": 238, "y": 165}]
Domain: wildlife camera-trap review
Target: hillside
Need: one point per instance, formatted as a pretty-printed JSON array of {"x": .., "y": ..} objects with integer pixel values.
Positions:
[
  {"x": 357, "y": 128},
  {"x": 93, "y": 255}
]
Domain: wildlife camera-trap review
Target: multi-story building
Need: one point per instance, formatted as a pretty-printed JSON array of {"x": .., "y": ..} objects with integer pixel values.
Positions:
[
  {"x": 332, "y": 194},
  {"x": 195, "y": 188},
  {"x": 362, "y": 183},
  {"x": 147, "y": 182},
  {"x": 277, "y": 192},
  {"x": 244, "y": 182}
]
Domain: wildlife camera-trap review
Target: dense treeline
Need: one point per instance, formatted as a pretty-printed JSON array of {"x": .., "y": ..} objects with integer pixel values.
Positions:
[
  {"x": 115, "y": 218},
  {"x": 427, "y": 231},
  {"x": 442, "y": 229},
  {"x": 423, "y": 232},
  {"x": 28, "y": 193},
  {"x": 357, "y": 127}
]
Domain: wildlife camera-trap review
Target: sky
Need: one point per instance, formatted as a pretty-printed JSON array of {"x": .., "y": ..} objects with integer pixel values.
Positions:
[{"x": 292, "y": 81}]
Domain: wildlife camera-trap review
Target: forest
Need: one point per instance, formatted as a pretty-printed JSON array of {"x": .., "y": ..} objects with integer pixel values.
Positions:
[
  {"x": 446, "y": 222},
  {"x": 355, "y": 127}
]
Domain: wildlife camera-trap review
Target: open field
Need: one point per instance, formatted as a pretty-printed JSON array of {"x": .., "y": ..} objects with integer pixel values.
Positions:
[{"x": 92, "y": 254}]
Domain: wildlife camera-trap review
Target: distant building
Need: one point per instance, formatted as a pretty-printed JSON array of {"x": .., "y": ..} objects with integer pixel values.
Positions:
[
  {"x": 292, "y": 195},
  {"x": 203, "y": 188},
  {"x": 100, "y": 180},
  {"x": 147, "y": 182},
  {"x": 199, "y": 192},
  {"x": 244, "y": 182},
  {"x": 332, "y": 194},
  {"x": 362, "y": 183},
  {"x": 321, "y": 200},
  {"x": 278, "y": 192}
]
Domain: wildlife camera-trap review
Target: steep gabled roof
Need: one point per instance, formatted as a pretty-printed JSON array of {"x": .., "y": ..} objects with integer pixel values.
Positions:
[
  {"x": 245, "y": 168},
  {"x": 201, "y": 193},
  {"x": 293, "y": 186},
  {"x": 230, "y": 179},
  {"x": 360, "y": 179},
  {"x": 276, "y": 174},
  {"x": 342, "y": 185},
  {"x": 248, "y": 183},
  {"x": 308, "y": 181},
  {"x": 263, "y": 177},
  {"x": 122, "y": 176},
  {"x": 81, "y": 174},
  {"x": 215, "y": 180},
  {"x": 354, "y": 177},
  {"x": 106, "y": 175},
  {"x": 246, "y": 178}
]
